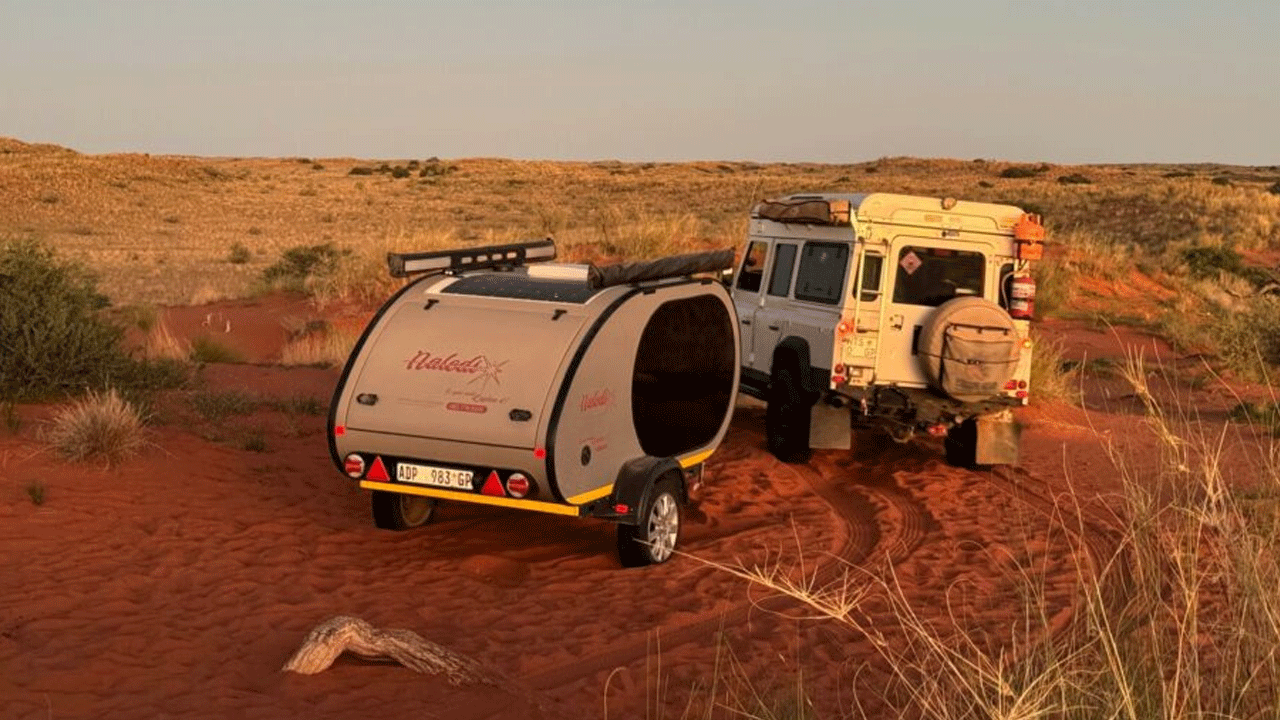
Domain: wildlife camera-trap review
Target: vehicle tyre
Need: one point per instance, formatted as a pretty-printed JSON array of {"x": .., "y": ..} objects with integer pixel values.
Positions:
[
  {"x": 654, "y": 539},
  {"x": 962, "y": 444},
  {"x": 787, "y": 417},
  {"x": 394, "y": 511}
]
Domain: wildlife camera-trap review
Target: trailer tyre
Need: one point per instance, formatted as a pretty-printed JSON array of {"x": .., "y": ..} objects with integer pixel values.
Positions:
[
  {"x": 787, "y": 417},
  {"x": 654, "y": 539},
  {"x": 394, "y": 511}
]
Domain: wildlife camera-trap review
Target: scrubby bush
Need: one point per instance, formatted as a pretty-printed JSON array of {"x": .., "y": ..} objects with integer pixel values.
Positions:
[
  {"x": 358, "y": 170},
  {"x": 1018, "y": 172},
  {"x": 239, "y": 254},
  {"x": 399, "y": 172},
  {"x": 1274, "y": 189},
  {"x": 101, "y": 426},
  {"x": 1222, "y": 180},
  {"x": 1074, "y": 179},
  {"x": 1208, "y": 261},
  {"x": 300, "y": 263},
  {"x": 1179, "y": 174},
  {"x": 54, "y": 336}
]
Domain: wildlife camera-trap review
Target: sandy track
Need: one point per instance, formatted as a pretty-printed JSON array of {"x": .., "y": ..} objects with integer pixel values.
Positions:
[{"x": 177, "y": 585}]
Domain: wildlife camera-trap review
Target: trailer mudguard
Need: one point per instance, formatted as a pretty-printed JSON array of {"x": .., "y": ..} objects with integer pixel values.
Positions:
[{"x": 637, "y": 477}]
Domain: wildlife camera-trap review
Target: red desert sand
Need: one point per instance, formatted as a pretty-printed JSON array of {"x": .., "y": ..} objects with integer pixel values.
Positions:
[{"x": 179, "y": 583}]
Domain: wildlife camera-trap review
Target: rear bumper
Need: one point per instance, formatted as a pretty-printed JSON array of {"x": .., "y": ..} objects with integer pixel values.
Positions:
[{"x": 477, "y": 498}]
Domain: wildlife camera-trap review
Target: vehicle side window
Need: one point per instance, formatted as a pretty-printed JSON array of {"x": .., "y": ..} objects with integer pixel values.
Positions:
[
  {"x": 932, "y": 276},
  {"x": 752, "y": 271},
  {"x": 871, "y": 277},
  {"x": 784, "y": 261},
  {"x": 822, "y": 271}
]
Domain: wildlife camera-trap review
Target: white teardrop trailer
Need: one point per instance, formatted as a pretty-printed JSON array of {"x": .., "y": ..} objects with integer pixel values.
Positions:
[{"x": 499, "y": 379}]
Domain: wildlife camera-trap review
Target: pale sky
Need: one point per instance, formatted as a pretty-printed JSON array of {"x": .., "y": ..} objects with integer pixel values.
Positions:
[{"x": 808, "y": 80}]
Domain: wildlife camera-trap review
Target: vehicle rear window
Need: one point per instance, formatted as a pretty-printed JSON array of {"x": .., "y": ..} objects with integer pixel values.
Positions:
[
  {"x": 752, "y": 271},
  {"x": 871, "y": 278},
  {"x": 932, "y": 276},
  {"x": 784, "y": 261},
  {"x": 822, "y": 270}
]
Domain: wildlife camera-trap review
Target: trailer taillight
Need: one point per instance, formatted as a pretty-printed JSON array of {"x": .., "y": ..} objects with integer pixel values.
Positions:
[
  {"x": 354, "y": 466},
  {"x": 539, "y": 453},
  {"x": 518, "y": 485},
  {"x": 339, "y": 430}
]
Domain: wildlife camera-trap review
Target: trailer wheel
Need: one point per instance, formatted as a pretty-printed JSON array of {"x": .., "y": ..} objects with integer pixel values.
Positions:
[
  {"x": 787, "y": 417},
  {"x": 962, "y": 444},
  {"x": 394, "y": 511},
  {"x": 653, "y": 540}
]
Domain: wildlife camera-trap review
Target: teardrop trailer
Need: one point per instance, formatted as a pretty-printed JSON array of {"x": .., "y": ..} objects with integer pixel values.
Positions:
[{"x": 497, "y": 378}]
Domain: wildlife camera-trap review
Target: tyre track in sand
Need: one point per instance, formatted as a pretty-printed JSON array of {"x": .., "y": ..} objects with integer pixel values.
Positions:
[
  {"x": 874, "y": 519},
  {"x": 882, "y": 498}
]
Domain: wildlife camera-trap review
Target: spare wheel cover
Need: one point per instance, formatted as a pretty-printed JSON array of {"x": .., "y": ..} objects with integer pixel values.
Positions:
[{"x": 968, "y": 348}]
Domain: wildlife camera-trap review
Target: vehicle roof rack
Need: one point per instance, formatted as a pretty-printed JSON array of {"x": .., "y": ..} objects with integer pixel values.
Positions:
[
  {"x": 478, "y": 258},
  {"x": 668, "y": 267}
]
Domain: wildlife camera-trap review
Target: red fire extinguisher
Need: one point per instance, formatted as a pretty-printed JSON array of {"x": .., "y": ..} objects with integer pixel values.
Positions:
[{"x": 1022, "y": 298}]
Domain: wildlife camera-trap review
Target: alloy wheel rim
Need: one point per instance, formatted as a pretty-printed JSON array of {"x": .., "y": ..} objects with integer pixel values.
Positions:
[{"x": 664, "y": 527}]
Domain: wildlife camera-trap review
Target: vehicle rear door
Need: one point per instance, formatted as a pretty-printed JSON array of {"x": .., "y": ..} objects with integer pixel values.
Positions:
[{"x": 923, "y": 273}]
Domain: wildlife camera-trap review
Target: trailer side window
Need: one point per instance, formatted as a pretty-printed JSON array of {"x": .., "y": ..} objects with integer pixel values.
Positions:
[
  {"x": 784, "y": 261},
  {"x": 752, "y": 271},
  {"x": 931, "y": 276},
  {"x": 822, "y": 272},
  {"x": 871, "y": 277}
]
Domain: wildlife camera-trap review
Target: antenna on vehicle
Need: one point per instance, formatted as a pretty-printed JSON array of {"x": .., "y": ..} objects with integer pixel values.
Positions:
[{"x": 479, "y": 258}]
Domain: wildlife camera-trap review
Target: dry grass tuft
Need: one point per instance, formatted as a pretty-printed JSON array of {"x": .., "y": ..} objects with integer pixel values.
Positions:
[
  {"x": 328, "y": 347},
  {"x": 162, "y": 344},
  {"x": 101, "y": 426}
]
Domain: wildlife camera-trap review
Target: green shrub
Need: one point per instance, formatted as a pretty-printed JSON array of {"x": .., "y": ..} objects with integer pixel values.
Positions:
[
  {"x": 300, "y": 263},
  {"x": 400, "y": 172},
  {"x": 1018, "y": 172},
  {"x": 360, "y": 171},
  {"x": 55, "y": 337},
  {"x": 435, "y": 167},
  {"x": 205, "y": 349},
  {"x": 239, "y": 254},
  {"x": 1207, "y": 261},
  {"x": 1074, "y": 179}
]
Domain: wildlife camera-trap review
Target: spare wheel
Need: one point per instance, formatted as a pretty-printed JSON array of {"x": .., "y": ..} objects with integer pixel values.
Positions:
[{"x": 968, "y": 348}]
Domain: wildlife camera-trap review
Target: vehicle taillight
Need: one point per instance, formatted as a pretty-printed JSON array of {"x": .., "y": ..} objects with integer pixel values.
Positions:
[
  {"x": 1011, "y": 385},
  {"x": 539, "y": 453},
  {"x": 518, "y": 485},
  {"x": 354, "y": 466},
  {"x": 1022, "y": 384},
  {"x": 339, "y": 430}
]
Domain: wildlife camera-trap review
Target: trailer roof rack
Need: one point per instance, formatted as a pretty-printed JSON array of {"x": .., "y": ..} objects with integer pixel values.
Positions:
[{"x": 479, "y": 258}]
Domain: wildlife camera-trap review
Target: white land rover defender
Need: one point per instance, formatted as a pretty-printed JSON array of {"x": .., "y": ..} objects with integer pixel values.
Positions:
[{"x": 908, "y": 313}]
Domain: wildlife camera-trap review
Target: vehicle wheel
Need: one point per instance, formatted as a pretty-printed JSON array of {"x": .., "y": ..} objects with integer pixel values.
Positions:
[
  {"x": 787, "y": 417},
  {"x": 654, "y": 539},
  {"x": 394, "y": 511},
  {"x": 962, "y": 444}
]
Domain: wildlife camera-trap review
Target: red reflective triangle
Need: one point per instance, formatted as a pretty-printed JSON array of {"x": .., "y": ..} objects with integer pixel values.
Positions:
[
  {"x": 492, "y": 486},
  {"x": 378, "y": 471}
]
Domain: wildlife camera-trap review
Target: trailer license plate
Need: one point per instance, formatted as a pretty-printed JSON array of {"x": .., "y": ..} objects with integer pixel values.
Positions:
[{"x": 437, "y": 476}]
